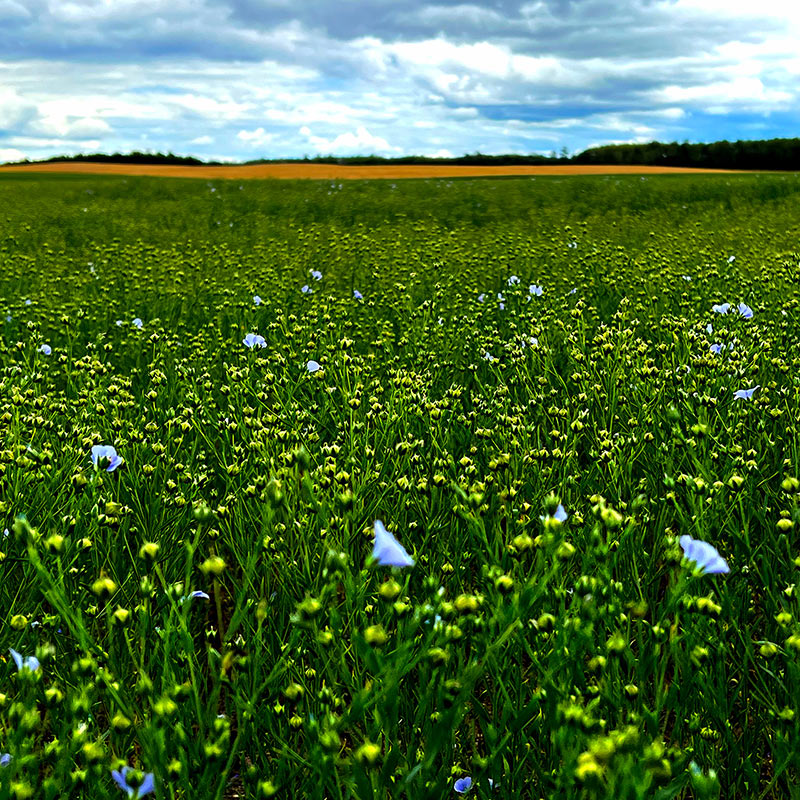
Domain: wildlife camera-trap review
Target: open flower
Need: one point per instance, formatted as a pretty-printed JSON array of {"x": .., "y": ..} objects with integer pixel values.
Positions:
[
  {"x": 721, "y": 308},
  {"x": 387, "y": 551},
  {"x": 513, "y": 280},
  {"x": 138, "y": 323},
  {"x": 357, "y": 294},
  {"x": 535, "y": 290},
  {"x": 146, "y": 787},
  {"x": 254, "y": 340},
  {"x": 45, "y": 349},
  {"x": 745, "y": 394},
  {"x": 463, "y": 785},
  {"x": 705, "y": 557},
  {"x": 716, "y": 349},
  {"x": 316, "y": 274},
  {"x": 560, "y": 514},
  {"x": 104, "y": 456},
  {"x": 5, "y": 759},
  {"x": 306, "y": 289},
  {"x": 24, "y": 662},
  {"x": 313, "y": 366},
  {"x": 745, "y": 311},
  {"x": 256, "y": 299}
]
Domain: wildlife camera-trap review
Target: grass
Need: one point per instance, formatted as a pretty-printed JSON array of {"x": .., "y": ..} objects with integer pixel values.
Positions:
[{"x": 538, "y": 657}]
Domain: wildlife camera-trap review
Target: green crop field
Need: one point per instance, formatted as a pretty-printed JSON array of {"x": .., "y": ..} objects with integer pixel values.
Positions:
[{"x": 400, "y": 490}]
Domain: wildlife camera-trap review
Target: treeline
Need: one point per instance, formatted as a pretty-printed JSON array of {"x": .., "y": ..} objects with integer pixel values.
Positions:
[
  {"x": 764, "y": 154},
  {"x": 126, "y": 158}
]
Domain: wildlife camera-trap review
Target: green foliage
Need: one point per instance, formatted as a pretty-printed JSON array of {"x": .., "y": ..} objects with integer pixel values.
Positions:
[{"x": 554, "y": 658}]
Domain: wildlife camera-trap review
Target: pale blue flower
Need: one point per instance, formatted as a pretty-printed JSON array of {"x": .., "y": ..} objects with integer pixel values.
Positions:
[
  {"x": 745, "y": 394},
  {"x": 716, "y": 349},
  {"x": 560, "y": 514},
  {"x": 105, "y": 456},
  {"x": 313, "y": 366},
  {"x": 710, "y": 328},
  {"x": 119, "y": 323},
  {"x": 28, "y": 302},
  {"x": 254, "y": 340},
  {"x": 745, "y": 311},
  {"x": 721, "y": 308},
  {"x": 706, "y": 559},
  {"x": 306, "y": 289},
  {"x": 463, "y": 785},
  {"x": 45, "y": 349},
  {"x": 194, "y": 596},
  {"x": 387, "y": 551},
  {"x": 138, "y": 323},
  {"x": 24, "y": 662},
  {"x": 148, "y": 784},
  {"x": 5, "y": 759},
  {"x": 256, "y": 300},
  {"x": 731, "y": 259},
  {"x": 357, "y": 294},
  {"x": 537, "y": 291},
  {"x": 316, "y": 274},
  {"x": 487, "y": 356},
  {"x": 687, "y": 278},
  {"x": 481, "y": 298},
  {"x": 513, "y": 280}
]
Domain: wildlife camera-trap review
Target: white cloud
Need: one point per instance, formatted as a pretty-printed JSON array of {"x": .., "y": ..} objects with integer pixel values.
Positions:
[
  {"x": 10, "y": 154},
  {"x": 202, "y": 140},
  {"x": 257, "y": 138},
  {"x": 359, "y": 142},
  {"x": 11, "y": 10}
]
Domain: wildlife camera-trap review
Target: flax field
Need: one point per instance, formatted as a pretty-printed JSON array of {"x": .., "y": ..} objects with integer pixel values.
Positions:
[{"x": 412, "y": 489}]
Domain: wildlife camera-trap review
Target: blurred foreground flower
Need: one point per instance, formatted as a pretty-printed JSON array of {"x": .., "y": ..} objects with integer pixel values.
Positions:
[
  {"x": 387, "y": 551},
  {"x": 745, "y": 394},
  {"x": 463, "y": 785},
  {"x": 104, "y": 456},
  {"x": 146, "y": 786},
  {"x": 5, "y": 759},
  {"x": 24, "y": 662},
  {"x": 254, "y": 340},
  {"x": 706, "y": 559}
]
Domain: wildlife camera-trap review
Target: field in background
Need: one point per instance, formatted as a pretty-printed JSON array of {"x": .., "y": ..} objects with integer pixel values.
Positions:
[
  {"x": 456, "y": 359},
  {"x": 343, "y": 172}
]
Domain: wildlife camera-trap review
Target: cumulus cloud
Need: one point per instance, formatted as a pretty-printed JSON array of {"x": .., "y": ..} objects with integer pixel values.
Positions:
[{"x": 350, "y": 143}]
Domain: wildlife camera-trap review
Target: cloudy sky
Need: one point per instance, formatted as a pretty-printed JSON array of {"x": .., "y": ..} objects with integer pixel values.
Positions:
[{"x": 243, "y": 79}]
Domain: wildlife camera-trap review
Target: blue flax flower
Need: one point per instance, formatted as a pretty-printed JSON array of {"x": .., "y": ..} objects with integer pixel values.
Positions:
[
  {"x": 5, "y": 759},
  {"x": 312, "y": 366},
  {"x": 481, "y": 298},
  {"x": 716, "y": 349},
  {"x": 148, "y": 784},
  {"x": 721, "y": 308},
  {"x": 535, "y": 290},
  {"x": 560, "y": 514},
  {"x": 256, "y": 299},
  {"x": 463, "y": 785},
  {"x": 706, "y": 559},
  {"x": 254, "y": 340},
  {"x": 357, "y": 294},
  {"x": 107, "y": 452},
  {"x": 745, "y": 394},
  {"x": 745, "y": 311},
  {"x": 513, "y": 280},
  {"x": 24, "y": 662},
  {"x": 387, "y": 551},
  {"x": 306, "y": 289},
  {"x": 45, "y": 349},
  {"x": 316, "y": 274},
  {"x": 138, "y": 323}
]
